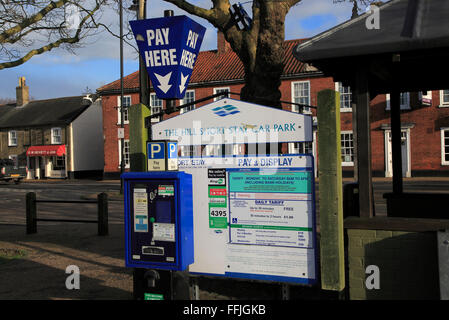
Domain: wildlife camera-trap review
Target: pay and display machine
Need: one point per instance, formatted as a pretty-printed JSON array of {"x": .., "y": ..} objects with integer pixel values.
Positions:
[{"x": 158, "y": 220}]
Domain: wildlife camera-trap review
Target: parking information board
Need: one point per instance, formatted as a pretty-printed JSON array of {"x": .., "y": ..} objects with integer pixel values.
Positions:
[
  {"x": 254, "y": 217},
  {"x": 266, "y": 209}
]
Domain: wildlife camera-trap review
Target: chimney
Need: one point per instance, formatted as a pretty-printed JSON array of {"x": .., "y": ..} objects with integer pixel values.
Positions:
[
  {"x": 22, "y": 93},
  {"x": 222, "y": 45}
]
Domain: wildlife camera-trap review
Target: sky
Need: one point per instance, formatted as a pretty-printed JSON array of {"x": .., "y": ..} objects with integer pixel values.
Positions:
[{"x": 59, "y": 73}]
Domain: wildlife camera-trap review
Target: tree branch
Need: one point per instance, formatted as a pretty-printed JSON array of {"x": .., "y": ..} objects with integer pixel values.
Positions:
[
  {"x": 208, "y": 14},
  {"x": 69, "y": 40},
  {"x": 35, "y": 18}
]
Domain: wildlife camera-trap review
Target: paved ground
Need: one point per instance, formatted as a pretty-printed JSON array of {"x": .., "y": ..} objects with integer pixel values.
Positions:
[{"x": 33, "y": 266}]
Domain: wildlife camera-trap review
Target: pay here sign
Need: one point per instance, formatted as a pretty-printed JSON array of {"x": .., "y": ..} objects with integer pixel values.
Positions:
[{"x": 169, "y": 46}]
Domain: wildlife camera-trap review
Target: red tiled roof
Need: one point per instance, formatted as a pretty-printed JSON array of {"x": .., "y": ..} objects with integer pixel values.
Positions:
[{"x": 213, "y": 67}]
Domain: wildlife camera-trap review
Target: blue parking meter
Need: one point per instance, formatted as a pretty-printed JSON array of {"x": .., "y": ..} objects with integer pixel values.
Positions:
[{"x": 158, "y": 220}]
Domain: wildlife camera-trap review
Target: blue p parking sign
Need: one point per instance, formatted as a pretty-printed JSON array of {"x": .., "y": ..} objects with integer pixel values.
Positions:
[
  {"x": 172, "y": 159},
  {"x": 156, "y": 156},
  {"x": 162, "y": 155}
]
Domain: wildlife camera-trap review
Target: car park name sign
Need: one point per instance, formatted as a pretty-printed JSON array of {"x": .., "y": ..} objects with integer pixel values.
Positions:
[
  {"x": 169, "y": 47},
  {"x": 229, "y": 121}
]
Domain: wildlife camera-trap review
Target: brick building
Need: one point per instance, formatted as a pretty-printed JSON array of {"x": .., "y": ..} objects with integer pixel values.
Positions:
[
  {"x": 54, "y": 138},
  {"x": 425, "y": 116}
]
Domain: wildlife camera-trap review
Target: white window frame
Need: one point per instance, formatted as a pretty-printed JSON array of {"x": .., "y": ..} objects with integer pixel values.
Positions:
[
  {"x": 293, "y": 147},
  {"x": 127, "y": 165},
  {"x": 218, "y": 90},
  {"x": 403, "y": 106},
  {"x": 189, "y": 151},
  {"x": 53, "y": 141},
  {"x": 348, "y": 163},
  {"x": 338, "y": 86},
  {"x": 443, "y": 104},
  {"x": 213, "y": 150},
  {"x": 295, "y": 108},
  {"x": 443, "y": 152},
  {"x": 151, "y": 106},
  {"x": 12, "y": 143},
  {"x": 183, "y": 101},
  {"x": 125, "y": 113}
]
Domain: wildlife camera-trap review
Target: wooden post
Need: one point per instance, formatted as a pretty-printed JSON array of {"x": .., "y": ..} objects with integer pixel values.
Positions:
[
  {"x": 103, "y": 228},
  {"x": 396, "y": 148},
  {"x": 330, "y": 194},
  {"x": 362, "y": 100},
  {"x": 31, "y": 213},
  {"x": 138, "y": 137}
]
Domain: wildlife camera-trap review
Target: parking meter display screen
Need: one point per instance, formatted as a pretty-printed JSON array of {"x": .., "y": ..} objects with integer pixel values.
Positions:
[
  {"x": 163, "y": 211},
  {"x": 153, "y": 215}
]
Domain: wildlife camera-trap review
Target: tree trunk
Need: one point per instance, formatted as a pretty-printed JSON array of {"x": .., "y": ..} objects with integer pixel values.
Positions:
[{"x": 264, "y": 59}]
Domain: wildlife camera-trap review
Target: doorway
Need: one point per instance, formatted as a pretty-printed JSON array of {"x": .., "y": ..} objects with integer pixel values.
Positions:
[{"x": 405, "y": 153}]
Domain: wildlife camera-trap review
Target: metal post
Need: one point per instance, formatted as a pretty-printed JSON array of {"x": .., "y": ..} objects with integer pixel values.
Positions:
[
  {"x": 169, "y": 103},
  {"x": 143, "y": 75},
  {"x": 103, "y": 228},
  {"x": 122, "y": 125},
  {"x": 31, "y": 213}
]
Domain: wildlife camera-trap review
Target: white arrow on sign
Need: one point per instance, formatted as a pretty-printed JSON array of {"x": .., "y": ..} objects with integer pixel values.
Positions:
[
  {"x": 182, "y": 86},
  {"x": 163, "y": 81}
]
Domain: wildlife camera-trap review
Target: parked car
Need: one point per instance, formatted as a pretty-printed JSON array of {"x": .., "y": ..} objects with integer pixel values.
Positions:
[{"x": 9, "y": 171}]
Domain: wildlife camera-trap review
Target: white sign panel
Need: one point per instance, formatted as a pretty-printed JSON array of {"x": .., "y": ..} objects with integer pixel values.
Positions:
[
  {"x": 140, "y": 210},
  {"x": 229, "y": 121},
  {"x": 254, "y": 217}
]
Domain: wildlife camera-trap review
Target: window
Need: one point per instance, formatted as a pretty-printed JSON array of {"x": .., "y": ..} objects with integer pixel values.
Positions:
[
  {"x": 12, "y": 138},
  {"x": 213, "y": 150},
  {"x": 347, "y": 148},
  {"x": 126, "y": 152},
  {"x": 126, "y": 104},
  {"x": 445, "y": 146},
  {"x": 233, "y": 149},
  {"x": 301, "y": 147},
  {"x": 58, "y": 163},
  {"x": 187, "y": 151},
  {"x": 404, "y": 100},
  {"x": 156, "y": 106},
  {"x": 444, "y": 98},
  {"x": 189, "y": 97},
  {"x": 56, "y": 136},
  {"x": 301, "y": 95},
  {"x": 345, "y": 97},
  {"x": 27, "y": 137},
  {"x": 219, "y": 90}
]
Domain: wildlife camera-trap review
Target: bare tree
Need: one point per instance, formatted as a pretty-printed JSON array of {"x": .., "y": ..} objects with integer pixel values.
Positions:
[
  {"x": 33, "y": 27},
  {"x": 260, "y": 48}
]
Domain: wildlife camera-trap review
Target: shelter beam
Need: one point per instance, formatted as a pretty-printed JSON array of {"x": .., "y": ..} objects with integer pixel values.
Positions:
[{"x": 363, "y": 129}]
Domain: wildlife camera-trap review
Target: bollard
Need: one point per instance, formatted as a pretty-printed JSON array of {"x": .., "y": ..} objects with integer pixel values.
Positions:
[
  {"x": 31, "y": 221},
  {"x": 103, "y": 229}
]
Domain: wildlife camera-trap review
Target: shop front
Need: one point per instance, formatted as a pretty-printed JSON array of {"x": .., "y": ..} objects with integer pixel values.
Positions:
[{"x": 48, "y": 161}]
